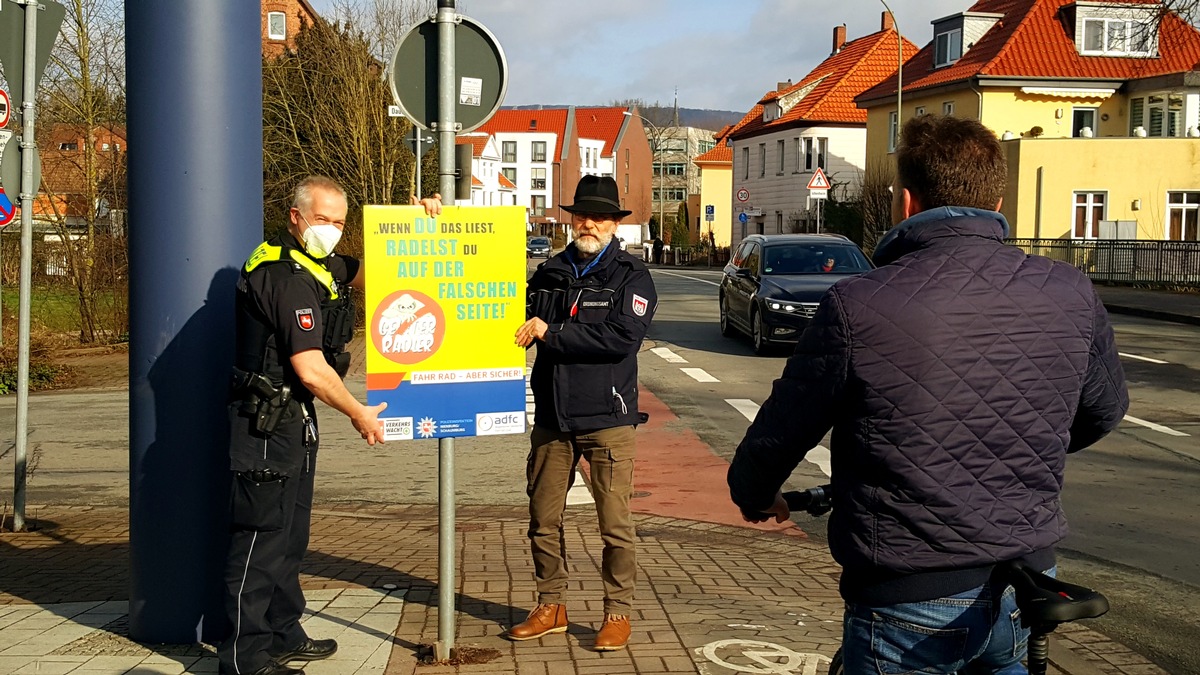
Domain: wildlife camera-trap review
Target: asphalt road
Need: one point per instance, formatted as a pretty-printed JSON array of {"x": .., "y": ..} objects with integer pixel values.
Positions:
[{"x": 1131, "y": 500}]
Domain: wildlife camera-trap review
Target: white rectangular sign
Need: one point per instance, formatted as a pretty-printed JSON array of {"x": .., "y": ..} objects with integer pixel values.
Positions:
[{"x": 471, "y": 91}]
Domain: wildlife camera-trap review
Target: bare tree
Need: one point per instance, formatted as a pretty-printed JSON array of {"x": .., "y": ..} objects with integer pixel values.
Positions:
[
  {"x": 81, "y": 128},
  {"x": 383, "y": 22},
  {"x": 875, "y": 200},
  {"x": 325, "y": 112}
]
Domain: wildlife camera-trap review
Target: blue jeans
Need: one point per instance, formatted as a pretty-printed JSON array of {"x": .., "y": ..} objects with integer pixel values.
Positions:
[{"x": 980, "y": 627}]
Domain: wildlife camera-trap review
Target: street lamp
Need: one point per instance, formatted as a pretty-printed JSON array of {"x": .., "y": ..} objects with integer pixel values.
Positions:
[
  {"x": 899, "y": 68},
  {"x": 657, "y": 156}
]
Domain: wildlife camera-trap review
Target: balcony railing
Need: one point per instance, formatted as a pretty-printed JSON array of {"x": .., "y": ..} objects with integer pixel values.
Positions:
[{"x": 1121, "y": 261}]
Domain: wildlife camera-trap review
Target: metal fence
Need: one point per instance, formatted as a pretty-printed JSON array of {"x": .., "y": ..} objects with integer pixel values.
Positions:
[{"x": 1121, "y": 261}]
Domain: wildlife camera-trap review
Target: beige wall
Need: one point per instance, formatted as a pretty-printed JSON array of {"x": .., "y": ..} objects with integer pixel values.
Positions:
[
  {"x": 716, "y": 188},
  {"x": 1127, "y": 169}
]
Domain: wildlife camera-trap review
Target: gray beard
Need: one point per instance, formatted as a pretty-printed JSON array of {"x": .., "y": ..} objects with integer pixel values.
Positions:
[{"x": 591, "y": 247}]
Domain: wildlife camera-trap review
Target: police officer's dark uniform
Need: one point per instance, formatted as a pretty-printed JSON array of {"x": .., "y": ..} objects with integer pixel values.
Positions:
[{"x": 287, "y": 302}]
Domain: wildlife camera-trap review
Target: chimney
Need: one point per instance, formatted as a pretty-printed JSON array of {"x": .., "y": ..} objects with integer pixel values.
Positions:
[
  {"x": 839, "y": 38},
  {"x": 780, "y": 86},
  {"x": 887, "y": 22}
]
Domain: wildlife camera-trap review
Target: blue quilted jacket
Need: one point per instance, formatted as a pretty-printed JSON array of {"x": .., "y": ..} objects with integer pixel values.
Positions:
[{"x": 956, "y": 378}]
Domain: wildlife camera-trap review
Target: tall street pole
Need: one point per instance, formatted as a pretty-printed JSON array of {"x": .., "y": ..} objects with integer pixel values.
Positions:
[
  {"x": 28, "y": 192},
  {"x": 417, "y": 151},
  {"x": 656, "y": 159},
  {"x": 446, "y": 128},
  {"x": 899, "y": 70}
]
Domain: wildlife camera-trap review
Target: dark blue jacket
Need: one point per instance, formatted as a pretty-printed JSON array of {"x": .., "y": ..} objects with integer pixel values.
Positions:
[
  {"x": 585, "y": 375},
  {"x": 956, "y": 378}
]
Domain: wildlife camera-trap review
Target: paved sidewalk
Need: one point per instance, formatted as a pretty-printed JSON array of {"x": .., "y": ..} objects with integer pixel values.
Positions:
[
  {"x": 1159, "y": 305},
  {"x": 712, "y": 599},
  {"x": 715, "y": 596}
]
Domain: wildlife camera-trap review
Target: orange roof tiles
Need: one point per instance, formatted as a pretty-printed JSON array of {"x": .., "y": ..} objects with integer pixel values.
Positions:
[
  {"x": 506, "y": 183},
  {"x": 477, "y": 141},
  {"x": 835, "y": 83},
  {"x": 721, "y": 154},
  {"x": 601, "y": 124},
  {"x": 553, "y": 121},
  {"x": 1033, "y": 41}
]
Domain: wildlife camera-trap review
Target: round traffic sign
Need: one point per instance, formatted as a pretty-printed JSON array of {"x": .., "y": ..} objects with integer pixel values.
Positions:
[
  {"x": 5, "y": 108},
  {"x": 480, "y": 74},
  {"x": 743, "y": 195},
  {"x": 7, "y": 210},
  {"x": 743, "y": 218}
]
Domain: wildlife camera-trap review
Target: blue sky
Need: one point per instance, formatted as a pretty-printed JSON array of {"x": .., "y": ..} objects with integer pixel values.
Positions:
[{"x": 720, "y": 54}]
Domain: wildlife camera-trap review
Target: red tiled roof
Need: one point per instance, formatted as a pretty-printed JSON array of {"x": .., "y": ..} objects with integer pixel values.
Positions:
[
  {"x": 506, "y": 183},
  {"x": 754, "y": 114},
  {"x": 477, "y": 141},
  {"x": 858, "y": 66},
  {"x": 1033, "y": 41},
  {"x": 721, "y": 154},
  {"x": 475, "y": 182},
  {"x": 552, "y": 121},
  {"x": 601, "y": 124}
]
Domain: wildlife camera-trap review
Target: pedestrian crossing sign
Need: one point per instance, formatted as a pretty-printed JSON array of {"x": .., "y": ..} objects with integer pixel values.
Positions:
[{"x": 818, "y": 180}]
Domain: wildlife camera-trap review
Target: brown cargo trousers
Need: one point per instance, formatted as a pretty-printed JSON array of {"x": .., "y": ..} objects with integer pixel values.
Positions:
[{"x": 551, "y": 471}]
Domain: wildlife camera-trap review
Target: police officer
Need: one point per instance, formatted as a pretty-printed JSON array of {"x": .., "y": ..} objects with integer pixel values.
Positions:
[{"x": 294, "y": 318}]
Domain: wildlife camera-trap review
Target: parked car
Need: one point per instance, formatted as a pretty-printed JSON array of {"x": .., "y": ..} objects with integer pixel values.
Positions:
[
  {"x": 535, "y": 246},
  {"x": 773, "y": 283}
]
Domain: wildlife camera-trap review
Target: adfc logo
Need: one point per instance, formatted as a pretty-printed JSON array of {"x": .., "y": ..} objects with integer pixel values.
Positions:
[{"x": 408, "y": 327}]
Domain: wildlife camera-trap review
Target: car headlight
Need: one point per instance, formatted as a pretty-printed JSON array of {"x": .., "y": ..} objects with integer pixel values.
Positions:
[{"x": 778, "y": 306}]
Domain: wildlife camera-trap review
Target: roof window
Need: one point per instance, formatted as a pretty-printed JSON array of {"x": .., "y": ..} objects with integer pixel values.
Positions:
[{"x": 947, "y": 48}]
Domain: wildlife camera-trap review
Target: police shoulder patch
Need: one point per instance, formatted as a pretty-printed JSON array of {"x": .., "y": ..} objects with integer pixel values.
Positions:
[
  {"x": 639, "y": 305},
  {"x": 304, "y": 317}
]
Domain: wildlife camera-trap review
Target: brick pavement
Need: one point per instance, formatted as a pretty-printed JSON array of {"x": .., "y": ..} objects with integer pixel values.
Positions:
[{"x": 707, "y": 594}]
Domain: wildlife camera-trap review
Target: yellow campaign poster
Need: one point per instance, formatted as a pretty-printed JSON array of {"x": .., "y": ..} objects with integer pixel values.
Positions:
[{"x": 445, "y": 294}]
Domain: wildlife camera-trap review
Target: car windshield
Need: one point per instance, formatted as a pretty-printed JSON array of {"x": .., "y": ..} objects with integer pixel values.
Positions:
[
  {"x": 814, "y": 259},
  {"x": 539, "y": 241}
]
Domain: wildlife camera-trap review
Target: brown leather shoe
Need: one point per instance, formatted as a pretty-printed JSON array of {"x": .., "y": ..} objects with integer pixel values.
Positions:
[
  {"x": 614, "y": 634},
  {"x": 543, "y": 620}
]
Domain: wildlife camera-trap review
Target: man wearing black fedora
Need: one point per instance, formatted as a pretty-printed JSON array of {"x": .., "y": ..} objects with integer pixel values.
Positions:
[{"x": 588, "y": 308}]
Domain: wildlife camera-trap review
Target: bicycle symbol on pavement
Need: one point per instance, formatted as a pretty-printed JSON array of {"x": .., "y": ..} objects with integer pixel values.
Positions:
[{"x": 768, "y": 658}]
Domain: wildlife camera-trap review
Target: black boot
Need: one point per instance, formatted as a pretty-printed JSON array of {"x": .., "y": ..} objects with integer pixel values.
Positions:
[{"x": 309, "y": 650}]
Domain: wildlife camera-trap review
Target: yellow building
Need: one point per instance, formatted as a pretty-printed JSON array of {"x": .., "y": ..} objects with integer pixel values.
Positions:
[
  {"x": 1097, "y": 104},
  {"x": 716, "y": 184}
]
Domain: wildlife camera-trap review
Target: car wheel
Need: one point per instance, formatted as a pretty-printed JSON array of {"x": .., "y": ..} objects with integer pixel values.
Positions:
[
  {"x": 758, "y": 333},
  {"x": 727, "y": 328}
]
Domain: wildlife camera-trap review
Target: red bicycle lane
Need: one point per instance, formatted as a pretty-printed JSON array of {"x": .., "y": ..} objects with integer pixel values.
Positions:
[{"x": 678, "y": 475}]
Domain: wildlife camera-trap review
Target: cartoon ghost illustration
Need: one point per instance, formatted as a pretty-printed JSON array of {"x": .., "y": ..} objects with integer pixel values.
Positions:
[{"x": 404, "y": 309}]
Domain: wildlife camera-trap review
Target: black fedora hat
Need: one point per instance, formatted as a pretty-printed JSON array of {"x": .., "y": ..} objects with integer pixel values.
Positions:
[{"x": 597, "y": 194}]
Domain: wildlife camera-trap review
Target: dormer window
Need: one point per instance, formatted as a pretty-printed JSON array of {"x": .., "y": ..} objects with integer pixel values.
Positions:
[
  {"x": 276, "y": 26},
  {"x": 947, "y": 48},
  {"x": 1115, "y": 37}
]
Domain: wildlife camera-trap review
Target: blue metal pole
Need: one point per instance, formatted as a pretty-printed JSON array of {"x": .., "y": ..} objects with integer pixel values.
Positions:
[{"x": 195, "y": 186}]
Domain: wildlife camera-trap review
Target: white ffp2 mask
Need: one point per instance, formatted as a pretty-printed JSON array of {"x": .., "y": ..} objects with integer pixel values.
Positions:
[{"x": 320, "y": 240}]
